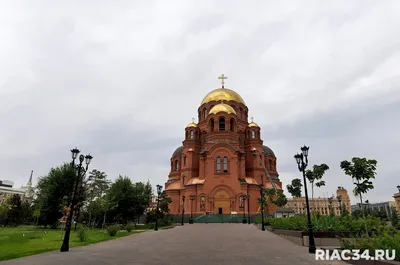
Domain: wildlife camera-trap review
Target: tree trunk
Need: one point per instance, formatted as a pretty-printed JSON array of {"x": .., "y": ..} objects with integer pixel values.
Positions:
[{"x": 363, "y": 213}]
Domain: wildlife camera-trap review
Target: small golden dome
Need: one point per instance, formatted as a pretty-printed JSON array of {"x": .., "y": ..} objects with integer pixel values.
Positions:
[
  {"x": 253, "y": 124},
  {"x": 223, "y": 94},
  {"x": 192, "y": 124},
  {"x": 222, "y": 107}
]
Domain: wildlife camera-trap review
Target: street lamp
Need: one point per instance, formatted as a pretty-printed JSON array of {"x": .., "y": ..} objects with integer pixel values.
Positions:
[
  {"x": 87, "y": 158},
  {"x": 339, "y": 198},
  {"x": 248, "y": 209},
  {"x": 262, "y": 206},
  {"x": 244, "y": 209},
  {"x": 159, "y": 188},
  {"x": 192, "y": 198},
  {"x": 183, "y": 208},
  {"x": 302, "y": 165}
]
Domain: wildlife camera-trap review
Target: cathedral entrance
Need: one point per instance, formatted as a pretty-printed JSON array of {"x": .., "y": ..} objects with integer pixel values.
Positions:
[{"x": 222, "y": 202}]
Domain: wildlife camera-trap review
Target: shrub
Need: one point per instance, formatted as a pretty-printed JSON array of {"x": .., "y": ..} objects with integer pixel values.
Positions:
[
  {"x": 112, "y": 230},
  {"x": 129, "y": 227},
  {"x": 327, "y": 223},
  {"x": 387, "y": 240},
  {"x": 82, "y": 234}
]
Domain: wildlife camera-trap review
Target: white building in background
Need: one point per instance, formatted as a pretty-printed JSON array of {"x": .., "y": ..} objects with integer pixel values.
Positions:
[{"x": 25, "y": 192}]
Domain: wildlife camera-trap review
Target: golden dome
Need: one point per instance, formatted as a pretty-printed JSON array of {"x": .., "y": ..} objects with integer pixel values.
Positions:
[
  {"x": 192, "y": 124},
  {"x": 222, "y": 107},
  {"x": 223, "y": 94},
  {"x": 253, "y": 124}
]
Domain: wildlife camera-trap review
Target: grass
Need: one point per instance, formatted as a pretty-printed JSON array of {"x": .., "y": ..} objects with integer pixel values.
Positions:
[{"x": 25, "y": 241}]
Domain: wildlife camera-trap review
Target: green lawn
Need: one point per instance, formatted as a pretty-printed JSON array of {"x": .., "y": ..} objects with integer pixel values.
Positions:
[{"x": 24, "y": 241}]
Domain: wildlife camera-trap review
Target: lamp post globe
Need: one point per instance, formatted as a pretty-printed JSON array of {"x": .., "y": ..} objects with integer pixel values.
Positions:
[{"x": 74, "y": 153}]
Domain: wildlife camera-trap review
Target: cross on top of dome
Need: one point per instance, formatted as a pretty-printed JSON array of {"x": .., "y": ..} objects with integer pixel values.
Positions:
[{"x": 222, "y": 77}]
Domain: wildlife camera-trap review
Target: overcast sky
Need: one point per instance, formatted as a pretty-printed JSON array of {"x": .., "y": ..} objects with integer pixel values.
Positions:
[{"x": 122, "y": 79}]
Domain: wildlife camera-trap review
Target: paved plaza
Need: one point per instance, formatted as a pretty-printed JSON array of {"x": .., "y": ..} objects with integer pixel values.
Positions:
[{"x": 202, "y": 244}]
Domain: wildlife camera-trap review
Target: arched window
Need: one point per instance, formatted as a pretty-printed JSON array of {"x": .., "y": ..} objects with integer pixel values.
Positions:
[
  {"x": 218, "y": 165},
  {"x": 176, "y": 165},
  {"x": 191, "y": 135},
  {"x": 225, "y": 164},
  {"x": 184, "y": 160},
  {"x": 221, "y": 124},
  {"x": 232, "y": 125},
  {"x": 260, "y": 160},
  {"x": 240, "y": 112},
  {"x": 241, "y": 201},
  {"x": 186, "y": 135},
  {"x": 253, "y": 134},
  {"x": 183, "y": 180},
  {"x": 203, "y": 203},
  {"x": 248, "y": 134},
  {"x": 211, "y": 125},
  {"x": 269, "y": 164},
  {"x": 205, "y": 113}
]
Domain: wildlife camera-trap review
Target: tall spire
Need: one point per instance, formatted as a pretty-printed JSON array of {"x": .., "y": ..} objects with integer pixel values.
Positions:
[{"x": 30, "y": 178}]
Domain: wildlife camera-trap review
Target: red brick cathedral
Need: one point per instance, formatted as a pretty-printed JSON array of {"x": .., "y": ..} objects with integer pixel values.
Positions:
[{"x": 222, "y": 162}]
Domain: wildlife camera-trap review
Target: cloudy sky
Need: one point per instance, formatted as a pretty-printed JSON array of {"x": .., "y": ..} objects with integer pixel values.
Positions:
[{"x": 122, "y": 79}]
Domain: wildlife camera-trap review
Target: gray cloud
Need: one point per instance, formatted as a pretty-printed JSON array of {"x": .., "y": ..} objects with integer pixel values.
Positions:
[{"x": 122, "y": 80}]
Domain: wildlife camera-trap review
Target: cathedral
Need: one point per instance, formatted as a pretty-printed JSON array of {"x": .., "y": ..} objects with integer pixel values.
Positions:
[{"x": 222, "y": 161}]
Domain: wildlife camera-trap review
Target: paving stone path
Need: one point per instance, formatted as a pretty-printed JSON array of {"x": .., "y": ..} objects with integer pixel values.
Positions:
[{"x": 197, "y": 244}]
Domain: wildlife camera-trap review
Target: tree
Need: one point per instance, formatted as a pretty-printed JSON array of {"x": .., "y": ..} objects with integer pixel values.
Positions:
[
  {"x": 274, "y": 197},
  {"x": 142, "y": 198},
  {"x": 164, "y": 204},
  {"x": 128, "y": 200},
  {"x": 14, "y": 213},
  {"x": 97, "y": 184},
  {"x": 315, "y": 175},
  {"x": 344, "y": 211},
  {"x": 295, "y": 188},
  {"x": 3, "y": 212},
  {"x": 394, "y": 218},
  {"x": 55, "y": 190},
  {"x": 361, "y": 170}
]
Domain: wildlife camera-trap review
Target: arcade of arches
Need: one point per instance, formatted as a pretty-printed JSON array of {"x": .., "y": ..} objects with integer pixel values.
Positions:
[{"x": 222, "y": 160}]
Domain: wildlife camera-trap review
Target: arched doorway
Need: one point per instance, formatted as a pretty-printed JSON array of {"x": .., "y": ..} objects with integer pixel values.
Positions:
[{"x": 222, "y": 202}]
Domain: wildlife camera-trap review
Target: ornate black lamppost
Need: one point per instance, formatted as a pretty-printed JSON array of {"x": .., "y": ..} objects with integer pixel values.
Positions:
[
  {"x": 262, "y": 206},
  {"x": 159, "y": 187},
  {"x": 192, "y": 198},
  {"x": 183, "y": 208},
  {"x": 88, "y": 158},
  {"x": 244, "y": 209},
  {"x": 302, "y": 165},
  {"x": 248, "y": 209},
  {"x": 339, "y": 198}
]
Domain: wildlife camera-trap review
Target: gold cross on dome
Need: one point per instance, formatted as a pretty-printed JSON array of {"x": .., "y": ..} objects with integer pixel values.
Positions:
[
  {"x": 222, "y": 77},
  {"x": 252, "y": 119},
  {"x": 192, "y": 120}
]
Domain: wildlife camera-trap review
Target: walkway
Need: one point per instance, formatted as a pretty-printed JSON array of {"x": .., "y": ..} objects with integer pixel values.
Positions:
[{"x": 200, "y": 244}]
